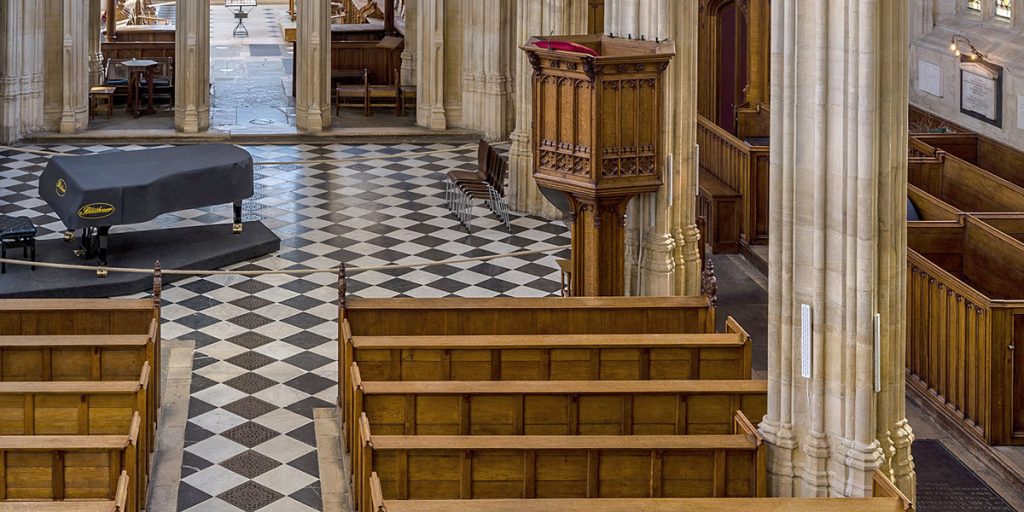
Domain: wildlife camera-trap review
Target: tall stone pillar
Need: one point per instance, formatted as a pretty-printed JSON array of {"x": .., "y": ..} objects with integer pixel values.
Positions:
[
  {"x": 75, "y": 62},
  {"x": 430, "y": 65},
  {"x": 313, "y": 55},
  {"x": 485, "y": 78},
  {"x": 409, "y": 52},
  {"x": 838, "y": 196},
  {"x": 95, "y": 50},
  {"x": 192, "y": 66},
  {"x": 11, "y": 70},
  {"x": 533, "y": 18},
  {"x": 662, "y": 234},
  {"x": 52, "y": 56}
]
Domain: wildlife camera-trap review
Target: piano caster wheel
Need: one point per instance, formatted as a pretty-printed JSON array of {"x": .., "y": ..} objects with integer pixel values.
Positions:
[
  {"x": 101, "y": 273},
  {"x": 236, "y": 229},
  {"x": 69, "y": 236},
  {"x": 79, "y": 253}
]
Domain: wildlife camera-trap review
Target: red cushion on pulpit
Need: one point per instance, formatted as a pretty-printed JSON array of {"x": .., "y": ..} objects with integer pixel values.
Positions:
[{"x": 566, "y": 46}]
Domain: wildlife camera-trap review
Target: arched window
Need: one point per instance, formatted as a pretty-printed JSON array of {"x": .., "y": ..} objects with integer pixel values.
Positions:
[
  {"x": 974, "y": 5},
  {"x": 1004, "y": 9}
]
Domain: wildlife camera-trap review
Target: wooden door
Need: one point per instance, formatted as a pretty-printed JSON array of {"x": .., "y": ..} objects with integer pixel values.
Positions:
[{"x": 732, "y": 64}]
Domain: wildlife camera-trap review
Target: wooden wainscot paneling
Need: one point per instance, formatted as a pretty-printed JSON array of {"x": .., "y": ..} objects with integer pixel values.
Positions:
[
  {"x": 488, "y": 467},
  {"x": 965, "y": 324}
]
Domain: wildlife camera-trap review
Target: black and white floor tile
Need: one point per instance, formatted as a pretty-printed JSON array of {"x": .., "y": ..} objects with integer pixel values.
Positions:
[{"x": 266, "y": 349}]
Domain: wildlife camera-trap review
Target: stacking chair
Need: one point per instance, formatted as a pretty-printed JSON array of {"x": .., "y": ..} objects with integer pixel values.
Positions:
[{"x": 486, "y": 184}]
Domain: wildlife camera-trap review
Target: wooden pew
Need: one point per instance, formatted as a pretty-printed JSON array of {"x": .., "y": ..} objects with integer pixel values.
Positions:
[
  {"x": 931, "y": 208},
  {"x": 994, "y": 157},
  {"x": 117, "y": 503},
  {"x": 732, "y": 165},
  {"x": 546, "y": 357},
  {"x": 965, "y": 317},
  {"x": 549, "y": 315},
  {"x": 876, "y": 504},
  {"x": 670, "y": 407},
  {"x": 48, "y": 469},
  {"x": 959, "y": 183},
  {"x": 95, "y": 357},
  {"x": 482, "y": 467},
  {"x": 79, "y": 408}
]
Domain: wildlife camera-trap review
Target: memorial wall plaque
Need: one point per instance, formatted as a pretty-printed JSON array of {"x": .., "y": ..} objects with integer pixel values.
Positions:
[
  {"x": 929, "y": 78},
  {"x": 981, "y": 91}
]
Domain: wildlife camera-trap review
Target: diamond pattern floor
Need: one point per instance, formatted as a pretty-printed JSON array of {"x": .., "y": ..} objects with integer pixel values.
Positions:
[{"x": 265, "y": 348}]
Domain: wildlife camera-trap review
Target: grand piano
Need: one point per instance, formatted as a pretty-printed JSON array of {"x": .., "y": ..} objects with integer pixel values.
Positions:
[{"x": 96, "y": 192}]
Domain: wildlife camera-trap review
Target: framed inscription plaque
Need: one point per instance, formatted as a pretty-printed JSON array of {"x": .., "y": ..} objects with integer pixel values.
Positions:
[{"x": 981, "y": 90}]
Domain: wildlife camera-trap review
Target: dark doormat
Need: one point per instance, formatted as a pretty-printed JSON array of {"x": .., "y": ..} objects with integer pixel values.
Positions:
[
  {"x": 205, "y": 247},
  {"x": 944, "y": 484},
  {"x": 265, "y": 50}
]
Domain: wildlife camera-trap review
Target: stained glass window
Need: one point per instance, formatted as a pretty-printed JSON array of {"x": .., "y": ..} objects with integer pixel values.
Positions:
[
  {"x": 974, "y": 5},
  {"x": 1003, "y": 9}
]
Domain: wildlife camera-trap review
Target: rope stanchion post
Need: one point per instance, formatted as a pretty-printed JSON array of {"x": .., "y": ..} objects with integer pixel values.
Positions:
[
  {"x": 158, "y": 284},
  {"x": 342, "y": 292}
]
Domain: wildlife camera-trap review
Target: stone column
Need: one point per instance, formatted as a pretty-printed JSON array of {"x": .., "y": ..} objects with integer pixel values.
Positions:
[
  {"x": 313, "y": 55},
  {"x": 75, "y": 61},
  {"x": 95, "y": 50},
  {"x": 430, "y": 65},
  {"x": 534, "y": 18},
  {"x": 485, "y": 79},
  {"x": 192, "y": 67},
  {"x": 11, "y": 70},
  {"x": 662, "y": 233},
  {"x": 52, "y": 56},
  {"x": 409, "y": 52},
  {"x": 838, "y": 196}
]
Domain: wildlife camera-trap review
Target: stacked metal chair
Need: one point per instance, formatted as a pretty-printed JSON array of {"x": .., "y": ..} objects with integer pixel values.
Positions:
[{"x": 486, "y": 184}]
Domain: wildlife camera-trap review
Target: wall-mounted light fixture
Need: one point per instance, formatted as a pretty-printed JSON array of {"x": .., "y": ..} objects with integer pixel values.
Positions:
[{"x": 955, "y": 43}]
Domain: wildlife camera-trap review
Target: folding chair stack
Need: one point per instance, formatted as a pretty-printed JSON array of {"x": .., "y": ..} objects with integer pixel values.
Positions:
[{"x": 486, "y": 184}]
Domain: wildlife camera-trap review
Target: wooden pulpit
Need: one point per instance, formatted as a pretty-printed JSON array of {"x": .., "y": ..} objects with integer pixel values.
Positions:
[{"x": 597, "y": 111}]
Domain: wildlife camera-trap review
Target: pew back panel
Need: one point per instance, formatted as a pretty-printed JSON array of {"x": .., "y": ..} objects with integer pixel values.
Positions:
[
  {"x": 72, "y": 317},
  {"x": 553, "y": 408},
  {"x": 553, "y": 315},
  {"x": 547, "y": 357}
]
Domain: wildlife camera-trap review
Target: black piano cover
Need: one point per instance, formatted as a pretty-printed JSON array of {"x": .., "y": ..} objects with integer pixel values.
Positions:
[{"x": 128, "y": 187}]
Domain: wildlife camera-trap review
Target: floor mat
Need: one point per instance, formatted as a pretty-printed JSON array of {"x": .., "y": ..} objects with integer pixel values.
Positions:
[{"x": 946, "y": 484}]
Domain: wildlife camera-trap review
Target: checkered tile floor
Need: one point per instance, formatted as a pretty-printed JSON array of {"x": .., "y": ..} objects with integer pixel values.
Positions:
[{"x": 265, "y": 348}]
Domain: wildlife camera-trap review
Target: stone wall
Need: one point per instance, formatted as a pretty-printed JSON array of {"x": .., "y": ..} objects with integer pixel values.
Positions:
[{"x": 935, "y": 72}]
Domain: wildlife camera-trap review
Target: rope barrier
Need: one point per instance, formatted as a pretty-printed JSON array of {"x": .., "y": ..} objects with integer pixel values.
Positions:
[
  {"x": 305, "y": 271},
  {"x": 297, "y": 162}
]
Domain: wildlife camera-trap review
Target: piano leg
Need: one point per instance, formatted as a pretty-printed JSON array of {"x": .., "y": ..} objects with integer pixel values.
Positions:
[
  {"x": 102, "y": 235},
  {"x": 236, "y": 228}
]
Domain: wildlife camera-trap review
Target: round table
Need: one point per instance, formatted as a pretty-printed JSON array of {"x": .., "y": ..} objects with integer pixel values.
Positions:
[{"x": 136, "y": 68}]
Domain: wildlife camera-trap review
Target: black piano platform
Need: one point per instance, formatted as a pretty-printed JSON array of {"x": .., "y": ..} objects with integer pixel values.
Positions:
[{"x": 207, "y": 248}]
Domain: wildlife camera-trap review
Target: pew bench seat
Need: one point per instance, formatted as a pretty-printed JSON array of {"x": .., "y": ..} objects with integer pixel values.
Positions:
[
  {"x": 484, "y": 467},
  {"x": 117, "y": 504},
  {"x": 722, "y": 206}
]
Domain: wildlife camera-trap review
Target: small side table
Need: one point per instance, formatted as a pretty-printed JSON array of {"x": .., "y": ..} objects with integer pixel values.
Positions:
[
  {"x": 101, "y": 96},
  {"x": 17, "y": 232},
  {"x": 136, "y": 68}
]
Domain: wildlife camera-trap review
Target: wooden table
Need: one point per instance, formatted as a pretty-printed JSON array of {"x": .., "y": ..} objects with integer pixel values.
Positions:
[
  {"x": 136, "y": 68},
  {"x": 101, "y": 93}
]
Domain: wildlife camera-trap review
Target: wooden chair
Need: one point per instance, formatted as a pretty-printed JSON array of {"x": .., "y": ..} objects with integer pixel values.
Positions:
[
  {"x": 350, "y": 91},
  {"x": 406, "y": 93},
  {"x": 383, "y": 95}
]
